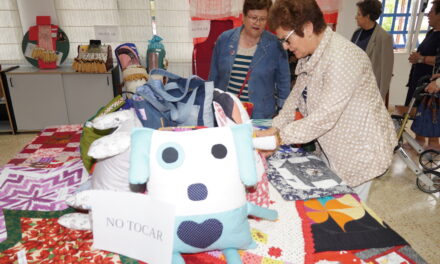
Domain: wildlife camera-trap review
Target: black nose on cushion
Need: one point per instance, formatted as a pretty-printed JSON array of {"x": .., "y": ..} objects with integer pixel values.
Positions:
[{"x": 197, "y": 192}]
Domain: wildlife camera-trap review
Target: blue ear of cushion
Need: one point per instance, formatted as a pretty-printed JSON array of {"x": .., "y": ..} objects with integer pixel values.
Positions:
[
  {"x": 198, "y": 233},
  {"x": 245, "y": 153},
  {"x": 140, "y": 155}
]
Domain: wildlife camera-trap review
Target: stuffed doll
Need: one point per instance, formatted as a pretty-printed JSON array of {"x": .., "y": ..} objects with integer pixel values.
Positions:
[
  {"x": 113, "y": 160},
  {"x": 203, "y": 173},
  {"x": 229, "y": 111},
  {"x": 199, "y": 172}
]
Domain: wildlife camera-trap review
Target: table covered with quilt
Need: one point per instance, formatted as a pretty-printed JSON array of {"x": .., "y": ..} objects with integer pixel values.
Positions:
[{"x": 320, "y": 219}]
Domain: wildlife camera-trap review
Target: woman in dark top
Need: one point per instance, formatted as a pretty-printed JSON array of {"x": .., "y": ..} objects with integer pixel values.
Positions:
[{"x": 423, "y": 61}]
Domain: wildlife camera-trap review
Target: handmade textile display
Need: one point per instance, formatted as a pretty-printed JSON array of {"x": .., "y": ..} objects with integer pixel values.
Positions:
[
  {"x": 206, "y": 217},
  {"x": 229, "y": 111},
  {"x": 289, "y": 240},
  {"x": 133, "y": 73},
  {"x": 90, "y": 134},
  {"x": 156, "y": 54},
  {"x": 112, "y": 152},
  {"x": 213, "y": 9},
  {"x": 300, "y": 176},
  {"x": 127, "y": 55},
  {"x": 112, "y": 155},
  {"x": 93, "y": 58},
  {"x": 343, "y": 222},
  {"x": 42, "y": 175},
  {"x": 397, "y": 254},
  {"x": 179, "y": 102},
  {"x": 45, "y": 45},
  {"x": 36, "y": 231}
]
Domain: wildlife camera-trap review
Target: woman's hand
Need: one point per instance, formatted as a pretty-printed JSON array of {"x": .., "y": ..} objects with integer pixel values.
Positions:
[
  {"x": 415, "y": 57},
  {"x": 272, "y": 131},
  {"x": 432, "y": 87},
  {"x": 435, "y": 76}
]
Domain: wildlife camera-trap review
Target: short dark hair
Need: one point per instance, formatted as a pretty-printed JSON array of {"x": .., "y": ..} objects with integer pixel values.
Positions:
[
  {"x": 372, "y": 8},
  {"x": 437, "y": 6},
  {"x": 294, "y": 14},
  {"x": 256, "y": 5}
]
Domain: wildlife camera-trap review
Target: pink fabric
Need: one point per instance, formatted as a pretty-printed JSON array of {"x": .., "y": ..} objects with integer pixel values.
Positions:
[
  {"x": 214, "y": 9},
  {"x": 259, "y": 194},
  {"x": 328, "y": 6},
  {"x": 44, "y": 37}
]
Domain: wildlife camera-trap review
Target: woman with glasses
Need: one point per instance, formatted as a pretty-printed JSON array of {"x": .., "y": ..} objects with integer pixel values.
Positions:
[
  {"x": 376, "y": 42},
  {"x": 337, "y": 94},
  {"x": 248, "y": 61}
]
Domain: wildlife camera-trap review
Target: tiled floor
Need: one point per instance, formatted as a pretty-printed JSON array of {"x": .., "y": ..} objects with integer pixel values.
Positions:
[{"x": 395, "y": 198}]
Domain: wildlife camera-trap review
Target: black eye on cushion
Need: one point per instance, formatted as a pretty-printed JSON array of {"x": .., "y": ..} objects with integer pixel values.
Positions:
[
  {"x": 170, "y": 155},
  {"x": 219, "y": 151}
]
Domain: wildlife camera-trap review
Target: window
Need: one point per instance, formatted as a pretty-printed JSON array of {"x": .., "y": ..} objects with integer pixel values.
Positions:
[
  {"x": 396, "y": 19},
  {"x": 10, "y": 33}
]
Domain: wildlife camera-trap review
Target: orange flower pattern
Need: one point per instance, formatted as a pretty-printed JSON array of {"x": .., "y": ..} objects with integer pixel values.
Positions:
[{"x": 343, "y": 209}]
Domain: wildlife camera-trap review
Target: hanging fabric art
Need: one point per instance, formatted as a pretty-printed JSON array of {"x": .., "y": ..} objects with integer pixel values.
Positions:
[{"x": 214, "y": 9}]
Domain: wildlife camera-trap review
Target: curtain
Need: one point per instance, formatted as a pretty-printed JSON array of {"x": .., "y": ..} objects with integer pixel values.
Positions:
[{"x": 11, "y": 33}]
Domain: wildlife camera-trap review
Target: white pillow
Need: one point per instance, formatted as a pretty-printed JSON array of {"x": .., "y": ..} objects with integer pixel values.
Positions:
[{"x": 113, "y": 154}]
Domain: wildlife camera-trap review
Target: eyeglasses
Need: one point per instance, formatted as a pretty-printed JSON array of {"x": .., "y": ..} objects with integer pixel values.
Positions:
[
  {"x": 286, "y": 39},
  {"x": 255, "y": 19}
]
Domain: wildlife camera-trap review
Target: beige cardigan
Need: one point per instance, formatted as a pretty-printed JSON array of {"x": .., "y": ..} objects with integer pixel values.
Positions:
[
  {"x": 380, "y": 51},
  {"x": 344, "y": 111}
]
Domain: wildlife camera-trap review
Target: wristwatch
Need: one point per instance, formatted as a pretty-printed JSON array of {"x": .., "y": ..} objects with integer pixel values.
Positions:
[{"x": 421, "y": 59}]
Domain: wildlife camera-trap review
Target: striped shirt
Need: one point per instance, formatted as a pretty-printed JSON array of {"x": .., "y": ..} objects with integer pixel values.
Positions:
[{"x": 240, "y": 68}]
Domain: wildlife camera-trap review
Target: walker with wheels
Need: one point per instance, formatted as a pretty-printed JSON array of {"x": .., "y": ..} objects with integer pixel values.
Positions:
[{"x": 428, "y": 179}]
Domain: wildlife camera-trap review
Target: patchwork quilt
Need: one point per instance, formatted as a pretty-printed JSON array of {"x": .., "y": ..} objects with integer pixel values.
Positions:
[
  {"x": 298, "y": 175},
  {"x": 335, "y": 228},
  {"x": 343, "y": 222},
  {"x": 43, "y": 173}
]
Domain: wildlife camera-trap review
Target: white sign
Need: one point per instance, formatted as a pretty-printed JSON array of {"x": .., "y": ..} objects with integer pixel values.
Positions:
[
  {"x": 133, "y": 225},
  {"x": 107, "y": 34},
  {"x": 200, "y": 28}
]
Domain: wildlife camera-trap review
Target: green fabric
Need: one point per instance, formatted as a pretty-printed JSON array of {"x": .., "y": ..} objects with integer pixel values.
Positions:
[
  {"x": 14, "y": 232},
  {"x": 90, "y": 134},
  {"x": 13, "y": 227}
]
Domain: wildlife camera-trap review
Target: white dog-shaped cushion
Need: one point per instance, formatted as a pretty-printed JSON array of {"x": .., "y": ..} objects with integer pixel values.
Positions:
[{"x": 203, "y": 173}]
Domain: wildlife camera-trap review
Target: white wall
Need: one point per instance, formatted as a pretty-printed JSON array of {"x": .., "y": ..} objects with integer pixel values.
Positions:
[
  {"x": 29, "y": 10},
  {"x": 347, "y": 25},
  {"x": 346, "y": 22}
]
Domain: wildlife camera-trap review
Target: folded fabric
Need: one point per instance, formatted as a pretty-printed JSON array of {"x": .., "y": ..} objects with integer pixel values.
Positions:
[{"x": 298, "y": 176}]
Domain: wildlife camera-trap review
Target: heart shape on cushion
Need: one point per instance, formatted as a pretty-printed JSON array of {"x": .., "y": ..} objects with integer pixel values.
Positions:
[{"x": 200, "y": 235}]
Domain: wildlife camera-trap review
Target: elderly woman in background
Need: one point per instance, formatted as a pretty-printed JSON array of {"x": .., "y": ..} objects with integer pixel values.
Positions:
[
  {"x": 248, "y": 61},
  {"x": 337, "y": 94},
  {"x": 376, "y": 42}
]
